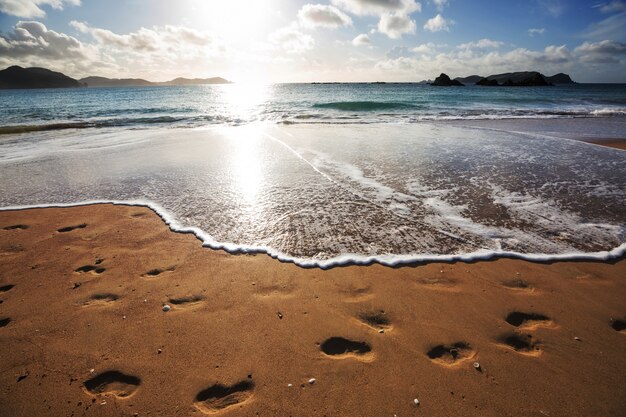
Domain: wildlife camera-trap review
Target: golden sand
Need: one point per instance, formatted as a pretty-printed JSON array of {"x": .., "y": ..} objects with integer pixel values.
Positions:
[{"x": 83, "y": 331}]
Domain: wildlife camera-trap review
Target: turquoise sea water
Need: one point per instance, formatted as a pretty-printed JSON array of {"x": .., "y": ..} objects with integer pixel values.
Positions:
[
  {"x": 301, "y": 103},
  {"x": 335, "y": 173}
]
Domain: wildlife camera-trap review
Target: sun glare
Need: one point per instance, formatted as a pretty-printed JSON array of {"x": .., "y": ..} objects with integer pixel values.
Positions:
[
  {"x": 233, "y": 20},
  {"x": 244, "y": 101}
]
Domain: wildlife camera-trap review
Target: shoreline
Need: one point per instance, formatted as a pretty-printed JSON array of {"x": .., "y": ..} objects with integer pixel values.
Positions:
[
  {"x": 392, "y": 261},
  {"x": 83, "y": 289}
]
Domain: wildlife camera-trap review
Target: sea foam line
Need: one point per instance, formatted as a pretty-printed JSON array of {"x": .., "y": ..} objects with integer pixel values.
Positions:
[{"x": 343, "y": 260}]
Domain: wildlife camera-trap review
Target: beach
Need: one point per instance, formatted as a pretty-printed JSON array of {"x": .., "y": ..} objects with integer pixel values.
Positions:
[
  {"x": 345, "y": 258},
  {"x": 84, "y": 331}
]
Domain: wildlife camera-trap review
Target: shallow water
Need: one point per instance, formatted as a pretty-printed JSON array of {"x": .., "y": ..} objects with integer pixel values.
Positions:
[{"x": 320, "y": 195}]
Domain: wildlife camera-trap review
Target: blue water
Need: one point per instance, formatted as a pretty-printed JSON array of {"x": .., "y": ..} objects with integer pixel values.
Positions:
[{"x": 300, "y": 103}]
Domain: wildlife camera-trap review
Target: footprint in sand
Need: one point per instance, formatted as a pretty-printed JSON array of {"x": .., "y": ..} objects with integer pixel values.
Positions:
[
  {"x": 71, "y": 228},
  {"x": 439, "y": 283},
  {"x": 219, "y": 397},
  {"x": 528, "y": 320},
  {"x": 113, "y": 383},
  {"x": 618, "y": 325},
  {"x": 4, "y": 321},
  {"x": 522, "y": 343},
  {"x": 158, "y": 271},
  {"x": 517, "y": 284},
  {"x": 90, "y": 268},
  {"x": 339, "y": 347},
  {"x": 376, "y": 319},
  {"x": 357, "y": 293},
  {"x": 189, "y": 300},
  {"x": 101, "y": 299},
  {"x": 6, "y": 287},
  {"x": 452, "y": 354},
  {"x": 16, "y": 227}
]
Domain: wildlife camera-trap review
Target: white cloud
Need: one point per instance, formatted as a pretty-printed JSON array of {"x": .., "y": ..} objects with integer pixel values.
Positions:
[
  {"x": 605, "y": 47},
  {"x": 292, "y": 40},
  {"x": 536, "y": 31},
  {"x": 425, "y": 48},
  {"x": 614, "y": 6},
  {"x": 35, "y": 40},
  {"x": 32, "y": 8},
  {"x": 395, "y": 25},
  {"x": 378, "y": 7},
  {"x": 361, "y": 40},
  {"x": 438, "y": 23},
  {"x": 457, "y": 62},
  {"x": 80, "y": 26},
  {"x": 613, "y": 27},
  {"x": 481, "y": 44},
  {"x": 397, "y": 52},
  {"x": 147, "y": 52},
  {"x": 319, "y": 15},
  {"x": 440, "y": 4}
]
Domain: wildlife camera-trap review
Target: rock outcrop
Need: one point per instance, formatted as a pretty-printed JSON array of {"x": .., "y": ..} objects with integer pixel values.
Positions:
[{"x": 444, "y": 81}]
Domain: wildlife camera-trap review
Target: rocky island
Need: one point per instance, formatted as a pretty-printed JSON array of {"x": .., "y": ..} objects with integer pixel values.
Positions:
[{"x": 509, "y": 79}]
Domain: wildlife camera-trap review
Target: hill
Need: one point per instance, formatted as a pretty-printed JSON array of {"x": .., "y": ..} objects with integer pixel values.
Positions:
[
  {"x": 17, "y": 77},
  {"x": 195, "y": 81},
  {"x": 472, "y": 79},
  {"x": 94, "y": 81}
]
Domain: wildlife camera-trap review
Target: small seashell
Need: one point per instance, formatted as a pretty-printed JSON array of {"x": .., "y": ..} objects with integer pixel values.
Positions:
[
  {"x": 166, "y": 308},
  {"x": 91, "y": 371},
  {"x": 312, "y": 381},
  {"x": 290, "y": 385},
  {"x": 416, "y": 401},
  {"x": 577, "y": 338},
  {"x": 381, "y": 330},
  {"x": 477, "y": 366}
]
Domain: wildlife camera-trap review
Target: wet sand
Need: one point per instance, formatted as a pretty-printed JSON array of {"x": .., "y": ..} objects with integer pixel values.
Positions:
[
  {"x": 82, "y": 331},
  {"x": 610, "y": 142}
]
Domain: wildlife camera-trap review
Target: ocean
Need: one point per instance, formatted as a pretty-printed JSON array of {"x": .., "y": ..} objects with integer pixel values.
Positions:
[
  {"x": 299, "y": 103},
  {"x": 327, "y": 174}
]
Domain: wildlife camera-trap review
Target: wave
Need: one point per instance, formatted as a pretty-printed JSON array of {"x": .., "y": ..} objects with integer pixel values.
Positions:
[
  {"x": 345, "y": 259},
  {"x": 392, "y": 113},
  {"x": 365, "y": 105}
]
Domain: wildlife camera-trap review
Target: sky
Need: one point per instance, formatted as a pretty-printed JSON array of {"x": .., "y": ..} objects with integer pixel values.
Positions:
[{"x": 306, "y": 41}]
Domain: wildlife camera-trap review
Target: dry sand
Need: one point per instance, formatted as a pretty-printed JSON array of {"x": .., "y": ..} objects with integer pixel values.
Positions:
[{"x": 83, "y": 331}]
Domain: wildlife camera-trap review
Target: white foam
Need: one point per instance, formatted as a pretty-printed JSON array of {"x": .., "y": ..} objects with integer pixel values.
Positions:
[{"x": 344, "y": 259}]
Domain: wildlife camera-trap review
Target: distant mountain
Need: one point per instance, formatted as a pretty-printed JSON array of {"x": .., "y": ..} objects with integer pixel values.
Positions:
[
  {"x": 472, "y": 79},
  {"x": 114, "y": 82},
  {"x": 195, "y": 81},
  {"x": 17, "y": 77},
  {"x": 138, "y": 82}
]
